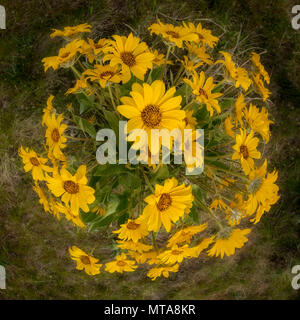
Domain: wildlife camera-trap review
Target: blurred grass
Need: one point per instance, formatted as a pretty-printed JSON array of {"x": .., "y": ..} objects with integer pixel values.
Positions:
[{"x": 33, "y": 245}]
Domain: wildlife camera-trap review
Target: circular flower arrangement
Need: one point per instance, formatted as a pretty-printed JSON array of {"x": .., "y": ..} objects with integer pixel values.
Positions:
[{"x": 158, "y": 215}]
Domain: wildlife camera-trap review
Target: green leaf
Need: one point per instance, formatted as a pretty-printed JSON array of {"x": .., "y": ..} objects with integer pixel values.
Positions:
[
  {"x": 109, "y": 170},
  {"x": 112, "y": 120},
  {"x": 194, "y": 214},
  {"x": 86, "y": 126},
  {"x": 129, "y": 180}
]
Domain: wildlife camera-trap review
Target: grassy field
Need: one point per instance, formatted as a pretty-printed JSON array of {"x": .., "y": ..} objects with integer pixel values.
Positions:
[{"x": 33, "y": 245}]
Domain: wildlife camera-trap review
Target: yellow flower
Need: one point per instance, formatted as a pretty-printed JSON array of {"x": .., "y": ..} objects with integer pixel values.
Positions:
[
  {"x": 151, "y": 108},
  {"x": 54, "y": 209},
  {"x": 48, "y": 110},
  {"x": 218, "y": 204},
  {"x": 92, "y": 49},
  {"x": 34, "y": 163},
  {"x": 245, "y": 150},
  {"x": 256, "y": 61},
  {"x": 175, "y": 254},
  {"x": 228, "y": 126},
  {"x": 149, "y": 257},
  {"x": 204, "y": 36},
  {"x": 104, "y": 74},
  {"x": 186, "y": 234},
  {"x": 132, "y": 230},
  {"x": 238, "y": 75},
  {"x": 196, "y": 250},
  {"x": 203, "y": 91},
  {"x": 54, "y": 135},
  {"x": 79, "y": 85},
  {"x": 120, "y": 265},
  {"x": 169, "y": 203},
  {"x": 240, "y": 106},
  {"x": 159, "y": 58},
  {"x": 236, "y": 210},
  {"x": 229, "y": 242},
  {"x": 197, "y": 54},
  {"x": 85, "y": 261},
  {"x": 73, "y": 189},
  {"x": 43, "y": 198},
  {"x": 190, "y": 122},
  {"x": 100, "y": 211},
  {"x": 175, "y": 35},
  {"x": 263, "y": 191},
  {"x": 70, "y": 215},
  {"x": 258, "y": 121},
  {"x": 189, "y": 65},
  {"x": 133, "y": 56},
  {"x": 260, "y": 86},
  {"x": 162, "y": 271},
  {"x": 65, "y": 57},
  {"x": 133, "y": 246},
  {"x": 70, "y": 32}
]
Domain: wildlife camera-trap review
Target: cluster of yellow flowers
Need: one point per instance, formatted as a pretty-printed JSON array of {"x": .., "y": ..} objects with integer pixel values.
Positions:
[{"x": 164, "y": 221}]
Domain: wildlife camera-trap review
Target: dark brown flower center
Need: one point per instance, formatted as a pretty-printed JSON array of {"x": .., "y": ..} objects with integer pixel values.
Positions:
[
  {"x": 244, "y": 151},
  {"x": 202, "y": 92},
  {"x": 128, "y": 58},
  {"x": 71, "y": 187},
  {"x": 34, "y": 161},
  {"x": 107, "y": 74},
  {"x": 55, "y": 135},
  {"x": 85, "y": 259},
  {"x": 132, "y": 225},
  {"x": 121, "y": 263},
  {"x": 151, "y": 116},
  {"x": 176, "y": 252},
  {"x": 164, "y": 202},
  {"x": 173, "y": 34}
]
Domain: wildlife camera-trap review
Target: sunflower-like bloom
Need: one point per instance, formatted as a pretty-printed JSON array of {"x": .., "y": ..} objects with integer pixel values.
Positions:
[
  {"x": 152, "y": 108},
  {"x": 203, "y": 91},
  {"x": 66, "y": 56},
  {"x": 103, "y": 74},
  {"x": 92, "y": 49},
  {"x": 159, "y": 58},
  {"x": 54, "y": 135},
  {"x": 175, "y": 254},
  {"x": 169, "y": 203},
  {"x": 190, "y": 65},
  {"x": 199, "y": 54},
  {"x": 133, "y": 246},
  {"x": 227, "y": 244},
  {"x": 162, "y": 271},
  {"x": 73, "y": 189},
  {"x": 48, "y": 110},
  {"x": 190, "y": 121},
  {"x": 34, "y": 163},
  {"x": 236, "y": 210},
  {"x": 80, "y": 85},
  {"x": 70, "y": 215},
  {"x": 218, "y": 204},
  {"x": 245, "y": 150},
  {"x": 43, "y": 198},
  {"x": 121, "y": 264},
  {"x": 238, "y": 75},
  {"x": 258, "y": 121},
  {"x": 240, "y": 106},
  {"x": 175, "y": 35},
  {"x": 70, "y": 32},
  {"x": 196, "y": 250},
  {"x": 265, "y": 92},
  {"x": 132, "y": 230},
  {"x": 228, "y": 126},
  {"x": 263, "y": 191},
  {"x": 149, "y": 257},
  {"x": 131, "y": 54},
  {"x": 204, "y": 36},
  {"x": 186, "y": 234},
  {"x": 85, "y": 261},
  {"x": 261, "y": 69}
]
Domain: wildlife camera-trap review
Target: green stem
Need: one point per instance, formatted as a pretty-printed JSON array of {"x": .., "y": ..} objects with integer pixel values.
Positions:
[
  {"x": 154, "y": 241},
  {"x": 165, "y": 64},
  {"x": 147, "y": 180}
]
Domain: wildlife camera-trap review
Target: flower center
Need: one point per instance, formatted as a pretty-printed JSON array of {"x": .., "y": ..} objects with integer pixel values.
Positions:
[
  {"x": 132, "y": 225},
  {"x": 128, "y": 58},
  {"x": 65, "y": 55},
  {"x": 151, "y": 116},
  {"x": 34, "y": 161},
  {"x": 202, "y": 92},
  {"x": 55, "y": 135},
  {"x": 244, "y": 151},
  {"x": 121, "y": 263},
  {"x": 107, "y": 74},
  {"x": 176, "y": 252},
  {"x": 98, "y": 46},
  {"x": 71, "y": 187},
  {"x": 164, "y": 202},
  {"x": 173, "y": 34},
  {"x": 85, "y": 259}
]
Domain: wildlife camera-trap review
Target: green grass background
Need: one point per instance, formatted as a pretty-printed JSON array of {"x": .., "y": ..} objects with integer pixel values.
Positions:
[{"x": 33, "y": 245}]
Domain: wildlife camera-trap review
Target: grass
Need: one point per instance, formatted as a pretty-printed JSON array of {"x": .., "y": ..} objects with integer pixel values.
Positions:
[{"x": 33, "y": 245}]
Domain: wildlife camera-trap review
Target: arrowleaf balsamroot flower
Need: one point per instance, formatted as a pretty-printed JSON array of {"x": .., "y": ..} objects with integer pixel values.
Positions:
[
  {"x": 120, "y": 264},
  {"x": 261, "y": 69},
  {"x": 168, "y": 204},
  {"x": 84, "y": 261},
  {"x": 70, "y": 32},
  {"x": 162, "y": 271},
  {"x": 72, "y": 189},
  {"x": 227, "y": 244},
  {"x": 133, "y": 230},
  {"x": 245, "y": 150}
]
